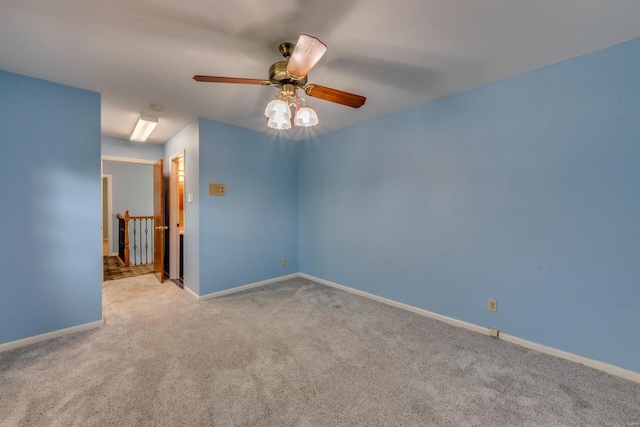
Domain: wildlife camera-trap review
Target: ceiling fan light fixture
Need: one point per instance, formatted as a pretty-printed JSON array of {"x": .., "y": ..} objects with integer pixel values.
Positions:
[
  {"x": 289, "y": 76},
  {"x": 279, "y": 122},
  {"x": 277, "y": 107},
  {"x": 279, "y": 114},
  {"x": 306, "y": 54},
  {"x": 144, "y": 126},
  {"x": 306, "y": 117}
]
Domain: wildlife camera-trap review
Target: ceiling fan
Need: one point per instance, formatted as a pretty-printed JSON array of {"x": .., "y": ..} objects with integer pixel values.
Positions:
[{"x": 289, "y": 76}]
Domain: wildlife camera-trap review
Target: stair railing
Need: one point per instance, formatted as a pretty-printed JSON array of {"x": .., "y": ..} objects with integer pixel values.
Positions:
[{"x": 141, "y": 233}]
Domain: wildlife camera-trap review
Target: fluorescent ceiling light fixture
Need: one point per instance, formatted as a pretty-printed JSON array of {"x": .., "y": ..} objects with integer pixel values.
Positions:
[{"x": 144, "y": 127}]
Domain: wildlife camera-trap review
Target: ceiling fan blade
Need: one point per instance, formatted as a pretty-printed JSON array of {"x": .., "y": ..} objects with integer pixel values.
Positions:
[
  {"x": 306, "y": 54},
  {"x": 334, "y": 95},
  {"x": 214, "y": 79}
]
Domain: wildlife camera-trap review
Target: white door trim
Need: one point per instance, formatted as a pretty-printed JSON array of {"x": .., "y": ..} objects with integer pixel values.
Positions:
[
  {"x": 174, "y": 232},
  {"x": 108, "y": 177},
  {"x": 127, "y": 160}
]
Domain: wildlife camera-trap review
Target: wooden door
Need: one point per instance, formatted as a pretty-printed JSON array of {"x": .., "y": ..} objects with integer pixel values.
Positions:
[{"x": 158, "y": 220}]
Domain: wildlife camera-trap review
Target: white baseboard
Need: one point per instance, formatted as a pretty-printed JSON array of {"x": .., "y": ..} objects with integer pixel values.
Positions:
[
  {"x": 191, "y": 293},
  {"x": 49, "y": 335},
  {"x": 595, "y": 364},
  {"x": 245, "y": 287},
  {"x": 449, "y": 320}
]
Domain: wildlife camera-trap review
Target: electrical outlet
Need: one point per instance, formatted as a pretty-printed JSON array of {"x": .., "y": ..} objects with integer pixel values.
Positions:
[
  {"x": 493, "y": 332},
  {"x": 284, "y": 261},
  {"x": 493, "y": 305}
]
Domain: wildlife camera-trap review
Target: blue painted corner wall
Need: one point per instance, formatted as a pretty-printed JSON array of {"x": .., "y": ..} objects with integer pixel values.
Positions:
[
  {"x": 188, "y": 139},
  {"x": 50, "y": 221},
  {"x": 239, "y": 238},
  {"x": 524, "y": 190},
  {"x": 245, "y": 234}
]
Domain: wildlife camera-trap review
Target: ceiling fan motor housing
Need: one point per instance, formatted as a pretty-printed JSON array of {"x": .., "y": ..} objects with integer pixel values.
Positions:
[{"x": 278, "y": 75}]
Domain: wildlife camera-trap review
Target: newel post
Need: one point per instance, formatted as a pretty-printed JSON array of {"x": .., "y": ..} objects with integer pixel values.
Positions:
[
  {"x": 123, "y": 238},
  {"x": 127, "y": 260}
]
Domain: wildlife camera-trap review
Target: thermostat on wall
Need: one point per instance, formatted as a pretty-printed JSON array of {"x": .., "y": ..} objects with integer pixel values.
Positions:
[{"x": 217, "y": 189}]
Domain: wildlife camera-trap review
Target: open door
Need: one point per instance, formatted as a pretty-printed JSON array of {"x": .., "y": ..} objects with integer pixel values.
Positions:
[
  {"x": 176, "y": 207},
  {"x": 158, "y": 220}
]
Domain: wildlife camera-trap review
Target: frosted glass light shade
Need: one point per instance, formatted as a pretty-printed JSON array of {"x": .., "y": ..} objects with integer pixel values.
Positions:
[
  {"x": 279, "y": 114},
  {"x": 277, "y": 107},
  {"x": 306, "y": 117},
  {"x": 306, "y": 54},
  {"x": 279, "y": 122}
]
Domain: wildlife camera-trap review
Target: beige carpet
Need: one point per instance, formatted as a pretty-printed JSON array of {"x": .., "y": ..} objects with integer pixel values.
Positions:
[{"x": 294, "y": 353}]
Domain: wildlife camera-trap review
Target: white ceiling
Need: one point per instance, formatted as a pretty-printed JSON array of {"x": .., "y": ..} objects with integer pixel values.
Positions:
[{"x": 397, "y": 54}]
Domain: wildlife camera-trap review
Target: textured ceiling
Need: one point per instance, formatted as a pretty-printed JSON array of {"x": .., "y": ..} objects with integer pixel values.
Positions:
[{"x": 397, "y": 54}]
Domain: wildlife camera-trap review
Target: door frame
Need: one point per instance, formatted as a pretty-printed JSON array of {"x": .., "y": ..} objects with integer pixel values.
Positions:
[
  {"x": 159, "y": 226},
  {"x": 174, "y": 231},
  {"x": 105, "y": 158},
  {"x": 109, "y": 198}
]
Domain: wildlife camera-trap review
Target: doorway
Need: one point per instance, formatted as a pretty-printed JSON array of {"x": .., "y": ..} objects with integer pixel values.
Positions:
[
  {"x": 177, "y": 217},
  {"x": 131, "y": 193}
]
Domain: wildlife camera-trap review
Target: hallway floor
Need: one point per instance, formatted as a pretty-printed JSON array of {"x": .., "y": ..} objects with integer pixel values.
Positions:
[{"x": 114, "y": 270}]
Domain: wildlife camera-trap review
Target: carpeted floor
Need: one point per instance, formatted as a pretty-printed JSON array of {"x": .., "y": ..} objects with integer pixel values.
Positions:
[
  {"x": 294, "y": 353},
  {"x": 114, "y": 269}
]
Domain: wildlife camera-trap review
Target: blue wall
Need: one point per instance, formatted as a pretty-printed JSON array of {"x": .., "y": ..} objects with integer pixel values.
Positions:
[
  {"x": 132, "y": 190},
  {"x": 188, "y": 140},
  {"x": 245, "y": 234},
  {"x": 525, "y": 190},
  {"x": 117, "y": 147},
  {"x": 50, "y": 221}
]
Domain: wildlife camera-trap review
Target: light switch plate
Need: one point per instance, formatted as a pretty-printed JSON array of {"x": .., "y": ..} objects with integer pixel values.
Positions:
[{"x": 190, "y": 198}]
